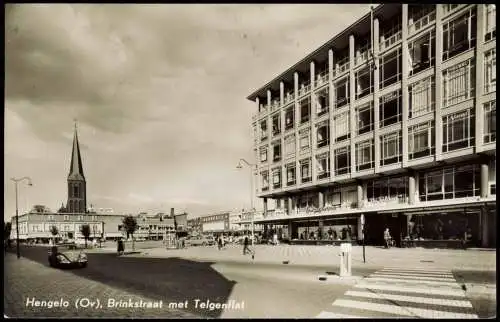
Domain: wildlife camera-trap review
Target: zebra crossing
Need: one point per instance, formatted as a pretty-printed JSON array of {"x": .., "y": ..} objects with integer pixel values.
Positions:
[{"x": 394, "y": 292}]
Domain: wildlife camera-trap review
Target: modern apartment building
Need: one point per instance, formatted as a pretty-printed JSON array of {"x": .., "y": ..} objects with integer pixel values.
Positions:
[{"x": 393, "y": 120}]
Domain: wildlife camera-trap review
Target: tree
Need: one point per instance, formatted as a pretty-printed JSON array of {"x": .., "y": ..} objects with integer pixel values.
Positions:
[
  {"x": 7, "y": 228},
  {"x": 130, "y": 225},
  {"x": 54, "y": 231},
  {"x": 85, "y": 230}
]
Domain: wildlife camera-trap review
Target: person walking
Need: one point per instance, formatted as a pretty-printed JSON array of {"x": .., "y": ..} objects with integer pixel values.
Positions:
[
  {"x": 219, "y": 242},
  {"x": 387, "y": 238},
  {"x": 245, "y": 246},
  {"x": 121, "y": 247}
]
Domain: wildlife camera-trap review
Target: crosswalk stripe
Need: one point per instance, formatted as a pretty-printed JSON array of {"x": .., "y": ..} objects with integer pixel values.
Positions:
[
  {"x": 414, "y": 274},
  {"x": 406, "y": 298},
  {"x": 426, "y": 271},
  {"x": 402, "y": 310},
  {"x": 331, "y": 315},
  {"x": 408, "y": 289},
  {"x": 396, "y": 276},
  {"x": 419, "y": 268},
  {"x": 382, "y": 279}
]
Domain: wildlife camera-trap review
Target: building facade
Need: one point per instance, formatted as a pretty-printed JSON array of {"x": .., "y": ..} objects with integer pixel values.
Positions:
[
  {"x": 393, "y": 120},
  {"x": 215, "y": 223}
]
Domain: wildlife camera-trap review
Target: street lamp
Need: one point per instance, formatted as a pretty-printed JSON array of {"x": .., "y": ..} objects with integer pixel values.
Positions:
[
  {"x": 252, "y": 167},
  {"x": 17, "y": 211}
]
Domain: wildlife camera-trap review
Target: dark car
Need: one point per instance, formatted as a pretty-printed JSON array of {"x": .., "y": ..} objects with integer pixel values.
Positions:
[{"x": 64, "y": 257}]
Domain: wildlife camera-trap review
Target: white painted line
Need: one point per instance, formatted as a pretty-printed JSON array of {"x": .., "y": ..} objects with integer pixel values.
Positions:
[
  {"x": 406, "y": 298},
  {"x": 410, "y": 277},
  {"x": 331, "y": 315},
  {"x": 414, "y": 274},
  {"x": 403, "y": 310},
  {"x": 382, "y": 279},
  {"x": 408, "y": 289},
  {"x": 424, "y": 269}
]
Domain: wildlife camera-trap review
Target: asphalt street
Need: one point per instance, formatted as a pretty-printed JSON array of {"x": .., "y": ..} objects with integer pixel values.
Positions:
[
  {"x": 260, "y": 289},
  {"x": 263, "y": 290}
]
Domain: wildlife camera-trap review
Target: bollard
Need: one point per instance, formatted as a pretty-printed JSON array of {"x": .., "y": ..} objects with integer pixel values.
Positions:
[{"x": 345, "y": 259}]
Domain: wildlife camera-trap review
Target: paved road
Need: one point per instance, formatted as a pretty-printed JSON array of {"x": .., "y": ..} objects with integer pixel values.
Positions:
[{"x": 266, "y": 289}]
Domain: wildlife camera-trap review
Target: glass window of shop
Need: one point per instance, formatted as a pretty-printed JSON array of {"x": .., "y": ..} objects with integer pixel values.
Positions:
[
  {"x": 341, "y": 229},
  {"x": 390, "y": 188},
  {"x": 444, "y": 226},
  {"x": 449, "y": 183}
]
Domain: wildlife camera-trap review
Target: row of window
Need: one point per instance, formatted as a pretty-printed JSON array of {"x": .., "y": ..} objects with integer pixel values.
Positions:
[
  {"x": 459, "y": 35},
  {"x": 458, "y": 133},
  {"x": 459, "y": 181},
  {"x": 458, "y": 86}
]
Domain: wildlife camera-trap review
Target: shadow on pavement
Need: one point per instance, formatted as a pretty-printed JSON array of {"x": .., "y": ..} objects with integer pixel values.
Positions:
[{"x": 173, "y": 280}]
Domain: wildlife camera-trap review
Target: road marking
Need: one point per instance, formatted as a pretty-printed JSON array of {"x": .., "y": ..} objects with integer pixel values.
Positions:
[
  {"x": 407, "y": 289},
  {"x": 382, "y": 279},
  {"x": 402, "y": 310},
  {"x": 406, "y": 298},
  {"x": 415, "y": 274},
  {"x": 331, "y": 315},
  {"x": 410, "y": 277},
  {"x": 416, "y": 269}
]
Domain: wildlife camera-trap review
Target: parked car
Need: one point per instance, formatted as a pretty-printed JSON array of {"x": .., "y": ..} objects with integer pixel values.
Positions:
[
  {"x": 199, "y": 241},
  {"x": 63, "y": 256}
]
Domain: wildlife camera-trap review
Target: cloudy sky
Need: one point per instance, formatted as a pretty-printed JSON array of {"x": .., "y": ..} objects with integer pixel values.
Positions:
[{"x": 159, "y": 95}]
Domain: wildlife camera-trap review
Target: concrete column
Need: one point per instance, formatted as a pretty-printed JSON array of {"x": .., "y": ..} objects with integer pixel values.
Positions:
[
  {"x": 411, "y": 188},
  {"x": 376, "y": 103},
  {"x": 257, "y": 102},
  {"x": 296, "y": 94},
  {"x": 331, "y": 102},
  {"x": 269, "y": 97},
  {"x": 312, "y": 73},
  {"x": 282, "y": 93},
  {"x": 265, "y": 206},
  {"x": 320, "y": 229},
  {"x": 290, "y": 205},
  {"x": 484, "y": 179},
  {"x": 359, "y": 188},
  {"x": 479, "y": 68},
  {"x": 352, "y": 114},
  {"x": 439, "y": 83},
  {"x": 404, "y": 85},
  {"x": 321, "y": 199},
  {"x": 314, "y": 129},
  {"x": 484, "y": 227}
]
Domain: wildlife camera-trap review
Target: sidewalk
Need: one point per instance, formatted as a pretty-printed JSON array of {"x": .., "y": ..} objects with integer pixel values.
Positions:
[{"x": 474, "y": 260}]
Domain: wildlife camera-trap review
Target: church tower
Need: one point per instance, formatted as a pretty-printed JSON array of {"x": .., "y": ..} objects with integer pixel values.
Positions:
[{"x": 77, "y": 187}]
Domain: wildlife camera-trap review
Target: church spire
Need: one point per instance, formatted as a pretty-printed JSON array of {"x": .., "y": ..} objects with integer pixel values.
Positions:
[{"x": 76, "y": 167}]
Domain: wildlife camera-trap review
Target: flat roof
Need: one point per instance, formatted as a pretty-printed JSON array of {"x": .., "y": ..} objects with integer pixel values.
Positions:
[{"x": 340, "y": 38}]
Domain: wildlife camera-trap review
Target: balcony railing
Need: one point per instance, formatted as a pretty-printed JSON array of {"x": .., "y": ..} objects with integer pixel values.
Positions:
[
  {"x": 362, "y": 54},
  {"x": 304, "y": 89},
  {"x": 289, "y": 97},
  {"x": 277, "y": 185},
  {"x": 321, "y": 79},
  {"x": 390, "y": 38},
  {"x": 291, "y": 183},
  {"x": 277, "y": 158},
  {"x": 323, "y": 143},
  {"x": 343, "y": 65},
  {"x": 265, "y": 188},
  {"x": 421, "y": 22},
  {"x": 275, "y": 104}
]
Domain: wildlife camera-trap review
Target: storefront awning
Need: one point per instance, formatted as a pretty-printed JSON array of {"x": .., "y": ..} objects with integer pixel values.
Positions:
[{"x": 469, "y": 207}]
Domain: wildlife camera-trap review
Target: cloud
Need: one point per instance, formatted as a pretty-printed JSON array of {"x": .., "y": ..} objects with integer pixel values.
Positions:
[{"x": 158, "y": 91}]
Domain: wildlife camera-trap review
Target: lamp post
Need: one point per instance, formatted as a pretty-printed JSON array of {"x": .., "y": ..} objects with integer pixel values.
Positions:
[
  {"x": 252, "y": 167},
  {"x": 17, "y": 211}
]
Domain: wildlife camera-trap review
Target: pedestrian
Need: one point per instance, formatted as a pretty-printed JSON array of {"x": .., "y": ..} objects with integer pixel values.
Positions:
[
  {"x": 121, "y": 247},
  {"x": 245, "y": 246},
  {"x": 220, "y": 242},
  {"x": 387, "y": 238}
]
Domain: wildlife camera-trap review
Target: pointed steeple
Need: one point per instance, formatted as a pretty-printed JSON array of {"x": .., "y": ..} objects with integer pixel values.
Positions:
[{"x": 76, "y": 167}]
